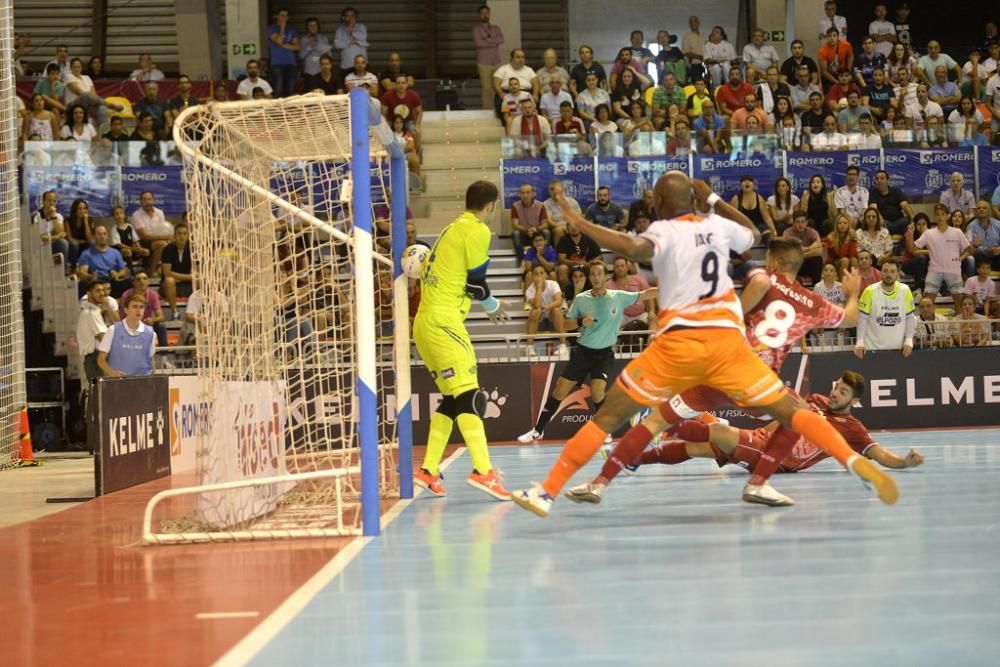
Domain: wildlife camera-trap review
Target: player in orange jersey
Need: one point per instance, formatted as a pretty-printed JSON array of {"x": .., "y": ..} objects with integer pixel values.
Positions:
[{"x": 700, "y": 338}]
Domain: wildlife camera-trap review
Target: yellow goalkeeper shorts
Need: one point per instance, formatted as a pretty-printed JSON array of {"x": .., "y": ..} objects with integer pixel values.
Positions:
[{"x": 444, "y": 346}]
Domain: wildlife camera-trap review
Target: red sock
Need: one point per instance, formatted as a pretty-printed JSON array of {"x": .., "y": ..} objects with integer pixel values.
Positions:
[
  {"x": 668, "y": 453},
  {"x": 778, "y": 447},
  {"x": 628, "y": 450},
  {"x": 690, "y": 430}
]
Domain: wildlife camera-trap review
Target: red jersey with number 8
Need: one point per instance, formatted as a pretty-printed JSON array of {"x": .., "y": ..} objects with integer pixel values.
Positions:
[{"x": 787, "y": 312}]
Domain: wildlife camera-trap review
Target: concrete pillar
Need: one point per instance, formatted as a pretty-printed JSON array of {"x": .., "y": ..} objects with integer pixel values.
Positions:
[
  {"x": 507, "y": 15},
  {"x": 198, "y": 39},
  {"x": 245, "y": 24}
]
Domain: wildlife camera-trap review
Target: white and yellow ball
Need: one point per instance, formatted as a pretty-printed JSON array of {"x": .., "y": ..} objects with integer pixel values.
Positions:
[{"x": 413, "y": 260}]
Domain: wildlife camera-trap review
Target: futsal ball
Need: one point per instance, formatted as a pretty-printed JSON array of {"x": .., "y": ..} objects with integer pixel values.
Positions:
[{"x": 413, "y": 260}]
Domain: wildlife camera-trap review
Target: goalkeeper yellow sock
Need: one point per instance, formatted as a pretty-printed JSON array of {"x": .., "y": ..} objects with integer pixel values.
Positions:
[
  {"x": 437, "y": 440},
  {"x": 474, "y": 434}
]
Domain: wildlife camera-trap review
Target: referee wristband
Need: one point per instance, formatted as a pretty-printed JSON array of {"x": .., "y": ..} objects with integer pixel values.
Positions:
[
  {"x": 490, "y": 304},
  {"x": 712, "y": 200}
]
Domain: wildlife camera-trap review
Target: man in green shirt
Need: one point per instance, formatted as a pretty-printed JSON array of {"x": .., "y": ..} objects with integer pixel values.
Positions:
[
  {"x": 667, "y": 93},
  {"x": 454, "y": 274}
]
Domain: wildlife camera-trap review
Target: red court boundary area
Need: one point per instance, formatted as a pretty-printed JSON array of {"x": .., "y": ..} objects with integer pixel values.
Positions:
[{"x": 78, "y": 590}]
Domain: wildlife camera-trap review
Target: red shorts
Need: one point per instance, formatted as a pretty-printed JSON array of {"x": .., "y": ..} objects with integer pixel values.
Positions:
[{"x": 748, "y": 451}]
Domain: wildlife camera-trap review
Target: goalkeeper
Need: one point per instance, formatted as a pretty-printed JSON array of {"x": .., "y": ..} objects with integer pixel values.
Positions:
[{"x": 453, "y": 275}]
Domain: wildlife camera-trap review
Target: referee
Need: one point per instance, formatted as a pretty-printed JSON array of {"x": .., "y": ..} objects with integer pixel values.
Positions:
[
  {"x": 599, "y": 313},
  {"x": 454, "y": 274}
]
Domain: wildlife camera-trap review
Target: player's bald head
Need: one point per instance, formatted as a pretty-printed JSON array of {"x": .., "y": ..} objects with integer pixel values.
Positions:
[{"x": 672, "y": 195}]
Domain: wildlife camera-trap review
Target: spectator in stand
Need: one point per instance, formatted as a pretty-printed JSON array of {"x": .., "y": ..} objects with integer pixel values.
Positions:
[
  {"x": 639, "y": 315},
  {"x": 718, "y": 54},
  {"x": 144, "y": 129},
  {"x": 61, "y": 61},
  {"x": 955, "y": 198},
  {"x": 153, "y": 229},
  {"x": 283, "y": 45},
  {"x": 829, "y": 287},
  {"x": 79, "y": 225},
  {"x": 125, "y": 239},
  {"x": 984, "y": 235},
  {"x": 900, "y": 59},
  {"x": 605, "y": 212},
  {"x": 152, "y": 316},
  {"x": 101, "y": 261},
  {"x": 842, "y": 244},
  {"x": 867, "y": 138},
  {"x": 886, "y": 319},
  {"x": 873, "y": 236},
  {"x": 782, "y": 204},
  {"x": 540, "y": 254},
  {"x": 867, "y": 62},
  {"x": 915, "y": 260},
  {"x": 351, "y": 38},
  {"x": 528, "y": 217},
  {"x": 78, "y": 126},
  {"x": 90, "y": 327},
  {"x": 602, "y": 124},
  {"x": 52, "y": 89},
  {"x": 698, "y": 98},
  {"x": 934, "y": 58},
  {"x": 405, "y": 137},
  {"x": 680, "y": 143},
  {"x": 851, "y": 198},
  {"x": 965, "y": 123},
  {"x": 312, "y": 45},
  {"x": 127, "y": 349},
  {"x": 635, "y": 131},
  {"x": 829, "y": 139},
  {"x": 516, "y": 69},
  {"x": 550, "y": 71},
  {"x": 711, "y": 132},
  {"x": 813, "y": 118},
  {"x": 147, "y": 71},
  {"x": 667, "y": 93},
  {"x": 265, "y": 68},
  {"x": 553, "y": 98},
  {"x": 983, "y": 288},
  {"x": 947, "y": 248},
  {"x": 577, "y": 282},
  {"x": 488, "y": 39},
  {"x": 835, "y": 56},
  {"x": 882, "y": 32},
  {"x": 510, "y": 104},
  {"x": 49, "y": 223},
  {"x": 818, "y": 204},
  {"x": 739, "y": 117},
  {"x": 95, "y": 68},
  {"x": 849, "y": 118},
  {"x": 891, "y": 203},
  {"x": 812, "y": 247},
  {"x": 991, "y": 35},
  {"x": 732, "y": 96},
  {"x": 624, "y": 93},
  {"x": 543, "y": 299},
  {"x": 944, "y": 92},
  {"x": 80, "y": 91},
  {"x": 568, "y": 124},
  {"x": 789, "y": 73},
  {"x": 40, "y": 121},
  {"x": 154, "y": 106},
  {"x": 993, "y": 94},
  {"x": 393, "y": 68},
  {"x": 554, "y": 214},
  {"x": 253, "y": 80},
  {"x": 326, "y": 79},
  {"x": 405, "y": 103},
  {"x": 532, "y": 130},
  {"x": 220, "y": 91},
  {"x": 360, "y": 76},
  {"x": 832, "y": 20},
  {"x": 574, "y": 247},
  {"x": 670, "y": 58},
  {"x": 879, "y": 96},
  {"x": 583, "y": 69},
  {"x": 693, "y": 48},
  {"x": 836, "y": 95},
  {"x": 751, "y": 204},
  {"x": 641, "y": 56},
  {"x": 866, "y": 269},
  {"x": 176, "y": 269},
  {"x": 641, "y": 208},
  {"x": 758, "y": 57},
  {"x": 901, "y": 23},
  {"x": 771, "y": 90},
  {"x": 181, "y": 101},
  {"x": 970, "y": 328},
  {"x": 977, "y": 72},
  {"x": 932, "y": 331},
  {"x": 905, "y": 90}
]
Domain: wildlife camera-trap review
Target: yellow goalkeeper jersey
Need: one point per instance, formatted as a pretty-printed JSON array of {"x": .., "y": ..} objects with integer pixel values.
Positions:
[{"x": 462, "y": 246}]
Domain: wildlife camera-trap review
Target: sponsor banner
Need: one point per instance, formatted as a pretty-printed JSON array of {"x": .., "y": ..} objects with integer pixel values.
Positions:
[
  {"x": 189, "y": 411},
  {"x": 989, "y": 171},
  {"x": 832, "y": 166},
  {"x": 576, "y": 174},
  {"x": 98, "y": 186},
  {"x": 164, "y": 182},
  {"x": 723, "y": 173},
  {"x": 131, "y": 420},
  {"x": 627, "y": 178},
  {"x": 923, "y": 174},
  {"x": 930, "y": 389}
]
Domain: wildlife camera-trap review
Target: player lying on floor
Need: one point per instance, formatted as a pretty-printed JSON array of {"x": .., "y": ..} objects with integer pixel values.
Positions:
[{"x": 747, "y": 448}]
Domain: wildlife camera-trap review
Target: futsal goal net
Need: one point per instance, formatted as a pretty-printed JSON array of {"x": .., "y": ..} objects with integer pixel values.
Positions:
[{"x": 296, "y": 210}]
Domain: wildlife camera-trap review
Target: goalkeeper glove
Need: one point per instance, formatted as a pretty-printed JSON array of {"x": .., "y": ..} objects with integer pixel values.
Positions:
[{"x": 495, "y": 310}]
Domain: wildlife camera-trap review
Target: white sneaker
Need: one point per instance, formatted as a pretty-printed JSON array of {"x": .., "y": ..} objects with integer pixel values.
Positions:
[
  {"x": 608, "y": 439},
  {"x": 765, "y": 494},
  {"x": 563, "y": 352},
  {"x": 586, "y": 493},
  {"x": 530, "y": 436},
  {"x": 534, "y": 500}
]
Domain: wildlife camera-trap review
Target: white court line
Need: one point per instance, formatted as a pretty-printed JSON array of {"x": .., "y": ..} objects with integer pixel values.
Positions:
[
  {"x": 212, "y": 615},
  {"x": 252, "y": 644}
]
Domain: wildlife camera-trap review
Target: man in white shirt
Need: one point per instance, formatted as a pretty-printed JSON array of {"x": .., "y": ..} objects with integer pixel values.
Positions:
[
  {"x": 153, "y": 228},
  {"x": 147, "y": 70},
  {"x": 851, "y": 198},
  {"x": 829, "y": 139},
  {"x": 61, "y": 61},
  {"x": 253, "y": 80},
  {"x": 532, "y": 129},
  {"x": 958, "y": 199},
  {"x": 882, "y": 31},
  {"x": 918, "y": 113},
  {"x": 553, "y": 99},
  {"x": 906, "y": 91},
  {"x": 832, "y": 20},
  {"x": 867, "y": 137},
  {"x": 360, "y": 76},
  {"x": 543, "y": 299},
  {"x": 551, "y": 70},
  {"x": 993, "y": 93},
  {"x": 758, "y": 57},
  {"x": 886, "y": 317},
  {"x": 90, "y": 328},
  {"x": 516, "y": 67}
]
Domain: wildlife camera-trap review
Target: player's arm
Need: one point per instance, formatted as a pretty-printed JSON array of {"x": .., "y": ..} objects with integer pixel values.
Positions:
[
  {"x": 890, "y": 459},
  {"x": 631, "y": 247},
  {"x": 852, "y": 287},
  {"x": 754, "y": 291},
  {"x": 703, "y": 192},
  {"x": 477, "y": 288},
  {"x": 648, "y": 294}
]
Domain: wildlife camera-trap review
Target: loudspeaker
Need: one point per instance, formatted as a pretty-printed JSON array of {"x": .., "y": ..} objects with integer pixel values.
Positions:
[
  {"x": 48, "y": 428},
  {"x": 44, "y": 385}
]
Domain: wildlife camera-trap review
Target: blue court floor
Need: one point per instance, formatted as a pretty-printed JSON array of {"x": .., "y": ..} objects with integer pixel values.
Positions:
[{"x": 673, "y": 569}]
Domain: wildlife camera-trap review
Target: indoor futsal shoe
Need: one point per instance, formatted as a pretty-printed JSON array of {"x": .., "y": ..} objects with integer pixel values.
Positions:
[
  {"x": 629, "y": 468},
  {"x": 586, "y": 493},
  {"x": 765, "y": 494},
  {"x": 875, "y": 478},
  {"x": 535, "y": 499},
  {"x": 490, "y": 483},
  {"x": 432, "y": 483},
  {"x": 530, "y": 436}
]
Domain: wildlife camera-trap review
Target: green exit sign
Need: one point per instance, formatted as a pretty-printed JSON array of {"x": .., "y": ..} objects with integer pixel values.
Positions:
[
  {"x": 246, "y": 49},
  {"x": 774, "y": 35}
]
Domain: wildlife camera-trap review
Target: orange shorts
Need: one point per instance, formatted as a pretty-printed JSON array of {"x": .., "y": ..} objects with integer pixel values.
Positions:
[{"x": 718, "y": 358}]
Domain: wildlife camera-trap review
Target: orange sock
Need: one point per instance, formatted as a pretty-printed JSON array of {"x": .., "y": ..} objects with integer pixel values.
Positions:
[
  {"x": 708, "y": 418},
  {"x": 819, "y": 431},
  {"x": 577, "y": 452}
]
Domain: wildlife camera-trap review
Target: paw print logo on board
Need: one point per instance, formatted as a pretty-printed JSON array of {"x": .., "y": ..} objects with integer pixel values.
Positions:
[{"x": 494, "y": 402}]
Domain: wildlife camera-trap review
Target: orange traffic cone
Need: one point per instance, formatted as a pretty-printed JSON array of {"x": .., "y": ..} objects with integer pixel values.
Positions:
[{"x": 26, "y": 457}]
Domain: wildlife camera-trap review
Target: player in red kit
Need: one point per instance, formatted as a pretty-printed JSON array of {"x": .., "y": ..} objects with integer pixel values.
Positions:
[
  {"x": 745, "y": 447},
  {"x": 778, "y": 313}
]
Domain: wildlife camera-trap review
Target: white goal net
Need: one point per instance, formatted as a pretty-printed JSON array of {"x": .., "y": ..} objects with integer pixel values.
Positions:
[{"x": 290, "y": 300}]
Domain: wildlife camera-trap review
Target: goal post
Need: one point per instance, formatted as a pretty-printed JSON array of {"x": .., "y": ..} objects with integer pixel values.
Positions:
[{"x": 297, "y": 215}]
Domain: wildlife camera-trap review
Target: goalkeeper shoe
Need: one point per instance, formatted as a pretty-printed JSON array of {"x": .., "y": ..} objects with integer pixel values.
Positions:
[
  {"x": 530, "y": 436},
  {"x": 765, "y": 494},
  {"x": 490, "y": 483},
  {"x": 629, "y": 468},
  {"x": 535, "y": 499},
  {"x": 586, "y": 493},
  {"x": 432, "y": 483},
  {"x": 874, "y": 478}
]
